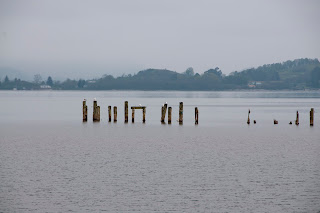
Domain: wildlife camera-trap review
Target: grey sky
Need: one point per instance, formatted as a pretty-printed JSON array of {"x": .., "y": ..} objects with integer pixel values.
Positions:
[{"x": 125, "y": 36}]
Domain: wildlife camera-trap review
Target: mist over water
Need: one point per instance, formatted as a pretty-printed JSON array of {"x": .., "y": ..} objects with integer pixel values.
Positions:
[{"x": 52, "y": 162}]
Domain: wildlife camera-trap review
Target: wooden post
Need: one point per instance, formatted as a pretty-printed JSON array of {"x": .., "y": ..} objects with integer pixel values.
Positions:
[
  {"x": 248, "y": 121},
  {"x": 84, "y": 111},
  {"x": 126, "y": 112},
  {"x": 109, "y": 112},
  {"x": 196, "y": 115},
  {"x": 161, "y": 120},
  {"x": 311, "y": 116},
  {"x": 164, "y": 111},
  {"x": 275, "y": 121},
  {"x": 144, "y": 115},
  {"x": 132, "y": 115},
  {"x": 297, "y": 119},
  {"x": 181, "y": 113},
  {"x": 169, "y": 115},
  {"x": 115, "y": 114},
  {"x": 96, "y": 111}
]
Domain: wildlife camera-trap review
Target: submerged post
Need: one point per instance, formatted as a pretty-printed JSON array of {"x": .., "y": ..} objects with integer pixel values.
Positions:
[
  {"x": 84, "y": 111},
  {"x": 115, "y": 114},
  {"x": 109, "y": 112},
  {"x": 96, "y": 111},
  {"x": 126, "y": 112},
  {"x": 196, "y": 115},
  {"x": 132, "y": 115},
  {"x": 169, "y": 115},
  {"x": 248, "y": 121},
  {"x": 181, "y": 113},
  {"x": 144, "y": 115},
  {"x": 311, "y": 116},
  {"x": 297, "y": 119}
]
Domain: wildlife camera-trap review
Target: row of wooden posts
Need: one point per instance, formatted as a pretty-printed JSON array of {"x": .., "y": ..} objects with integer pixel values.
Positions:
[
  {"x": 96, "y": 112},
  {"x": 296, "y": 121}
]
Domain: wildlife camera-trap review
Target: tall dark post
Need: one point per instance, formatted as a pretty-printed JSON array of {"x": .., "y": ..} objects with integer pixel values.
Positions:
[
  {"x": 248, "y": 121},
  {"x": 311, "y": 116},
  {"x": 297, "y": 119},
  {"x": 126, "y": 112},
  {"x": 109, "y": 112},
  {"x": 144, "y": 115},
  {"x": 169, "y": 115},
  {"x": 196, "y": 115},
  {"x": 96, "y": 111},
  {"x": 84, "y": 111},
  {"x": 115, "y": 113},
  {"x": 132, "y": 115},
  {"x": 181, "y": 113}
]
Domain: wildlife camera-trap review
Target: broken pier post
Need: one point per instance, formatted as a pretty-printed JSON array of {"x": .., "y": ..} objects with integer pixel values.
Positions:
[
  {"x": 169, "y": 115},
  {"x": 163, "y": 112},
  {"x": 196, "y": 115},
  {"x": 248, "y": 121},
  {"x": 109, "y": 112},
  {"x": 115, "y": 113},
  {"x": 132, "y": 115},
  {"x": 126, "y": 112},
  {"x": 144, "y": 115},
  {"x": 96, "y": 111},
  {"x": 84, "y": 111},
  {"x": 297, "y": 119},
  {"x": 311, "y": 116},
  {"x": 181, "y": 113}
]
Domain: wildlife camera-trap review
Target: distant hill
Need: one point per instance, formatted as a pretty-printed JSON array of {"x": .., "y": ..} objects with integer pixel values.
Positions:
[{"x": 293, "y": 75}]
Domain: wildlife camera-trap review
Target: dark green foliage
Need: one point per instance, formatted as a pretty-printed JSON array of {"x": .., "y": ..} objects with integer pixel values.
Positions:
[
  {"x": 296, "y": 74},
  {"x": 49, "y": 81},
  {"x": 81, "y": 83},
  {"x": 6, "y": 80}
]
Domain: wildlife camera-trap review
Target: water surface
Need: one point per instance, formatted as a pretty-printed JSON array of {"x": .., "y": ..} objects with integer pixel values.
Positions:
[{"x": 52, "y": 162}]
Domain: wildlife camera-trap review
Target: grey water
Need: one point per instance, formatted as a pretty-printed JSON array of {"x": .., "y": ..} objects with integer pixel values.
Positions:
[{"x": 50, "y": 161}]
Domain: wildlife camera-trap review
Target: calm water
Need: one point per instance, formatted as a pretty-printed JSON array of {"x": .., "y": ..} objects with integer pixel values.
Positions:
[{"x": 52, "y": 162}]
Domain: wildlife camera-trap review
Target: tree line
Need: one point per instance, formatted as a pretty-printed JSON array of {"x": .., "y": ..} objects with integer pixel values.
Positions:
[{"x": 295, "y": 74}]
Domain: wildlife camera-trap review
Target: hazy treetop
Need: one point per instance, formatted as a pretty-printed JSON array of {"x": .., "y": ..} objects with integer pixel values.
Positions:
[{"x": 126, "y": 36}]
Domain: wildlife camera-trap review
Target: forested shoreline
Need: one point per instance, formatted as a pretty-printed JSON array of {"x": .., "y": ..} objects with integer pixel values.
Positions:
[{"x": 299, "y": 74}]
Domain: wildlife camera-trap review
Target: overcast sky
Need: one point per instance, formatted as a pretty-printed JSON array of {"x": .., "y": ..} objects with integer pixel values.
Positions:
[{"x": 125, "y": 36}]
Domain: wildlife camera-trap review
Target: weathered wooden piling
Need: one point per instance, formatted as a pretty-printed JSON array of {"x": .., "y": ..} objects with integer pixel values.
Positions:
[
  {"x": 248, "y": 120},
  {"x": 181, "y": 113},
  {"x": 297, "y": 119},
  {"x": 275, "y": 121},
  {"x": 115, "y": 113},
  {"x": 290, "y": 122},
  {"x": 196, "y": 115},
  {"x": 169, "y": 115},
  {"x": 144, "y": 115},
  {"x": 126, "y": 112},
  {"x": 132, "y": 115},
  {"x": 311, "y": 116},
  {"x": 254, "y": 121},
  {"x": 109, "y": 112},
  {"x": 96, "y": 111},
  {"x": 163, "y": 112},
  {"x": 84, "y": 111}
]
